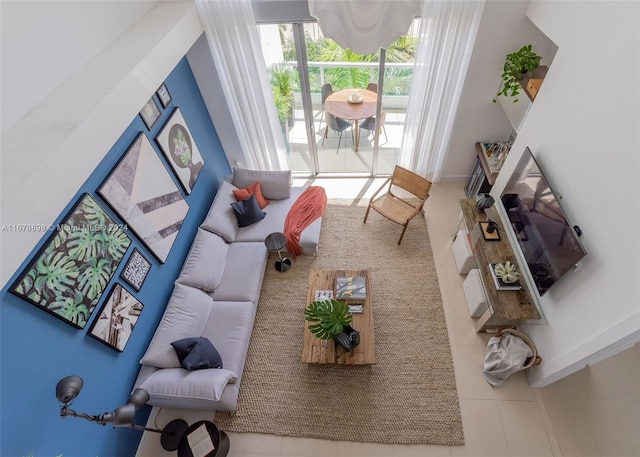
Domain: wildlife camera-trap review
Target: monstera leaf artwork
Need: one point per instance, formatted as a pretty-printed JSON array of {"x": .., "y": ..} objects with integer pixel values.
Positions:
[{"x": 70, "y": 273}]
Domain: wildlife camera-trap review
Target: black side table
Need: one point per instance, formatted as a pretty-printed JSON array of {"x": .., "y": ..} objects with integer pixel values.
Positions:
[
  {"x": 219, "y": 439},
  {"x": 275, "y": 242}
]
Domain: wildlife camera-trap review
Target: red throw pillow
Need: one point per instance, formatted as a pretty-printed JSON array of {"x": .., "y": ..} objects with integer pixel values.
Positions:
[{"x": 243, "y": 194}]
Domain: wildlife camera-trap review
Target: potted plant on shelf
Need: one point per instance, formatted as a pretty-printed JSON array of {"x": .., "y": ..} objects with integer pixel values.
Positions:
[
  {"x": 330, "y": 319},
  {"x": 516, "y": 66}
]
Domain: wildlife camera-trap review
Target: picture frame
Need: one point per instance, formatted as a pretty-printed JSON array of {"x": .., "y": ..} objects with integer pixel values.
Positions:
[
  {"x": 142, "y": 193},
  {"x": 180, "y": 149},
  {"x": 117, "y": 318},
  {"x": 150, "y": 113},
  {"x": 136, "y": 270},
  {"x": 164, "y": 95},
  {"x": 69, "y": 274}
]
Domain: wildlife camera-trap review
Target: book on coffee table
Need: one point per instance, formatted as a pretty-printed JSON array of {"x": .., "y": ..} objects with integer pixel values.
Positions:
[
  {"x": 351, "y": 287},
  {"x": 322, "y": 295}
]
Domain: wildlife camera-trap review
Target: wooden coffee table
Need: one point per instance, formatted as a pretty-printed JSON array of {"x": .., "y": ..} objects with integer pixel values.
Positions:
[{"x": 317, "y": 351}]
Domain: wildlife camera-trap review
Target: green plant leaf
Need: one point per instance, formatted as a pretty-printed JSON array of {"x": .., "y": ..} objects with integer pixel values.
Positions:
[{"x": 329, "y": 317}]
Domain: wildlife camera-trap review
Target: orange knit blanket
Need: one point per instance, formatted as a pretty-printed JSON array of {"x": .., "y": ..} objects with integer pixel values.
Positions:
[{"x": 307, "y": 208}]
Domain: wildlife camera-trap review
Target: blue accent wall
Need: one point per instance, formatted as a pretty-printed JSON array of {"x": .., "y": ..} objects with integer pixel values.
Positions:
[{"x": 38, "y": 349}]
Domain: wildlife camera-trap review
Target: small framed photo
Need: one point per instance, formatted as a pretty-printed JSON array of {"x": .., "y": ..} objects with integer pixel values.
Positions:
[
  {"x": 150, "y": 113},
  {"x": 117, "y": 318},
  {"x": 164, "y": 95},
  {"x": 136, "y": 270}
]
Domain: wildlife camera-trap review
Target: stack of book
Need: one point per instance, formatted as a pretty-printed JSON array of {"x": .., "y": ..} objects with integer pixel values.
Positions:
[
  {"x": 351, "y": 287},
  {"x": 500, "y": 284}
]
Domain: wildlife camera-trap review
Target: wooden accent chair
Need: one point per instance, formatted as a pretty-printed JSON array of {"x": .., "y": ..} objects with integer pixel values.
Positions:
[{"x": 400, "y": 209}]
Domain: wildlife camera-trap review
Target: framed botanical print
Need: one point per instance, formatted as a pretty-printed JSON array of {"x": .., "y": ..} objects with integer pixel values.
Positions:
[
  {"x": 70, "y": 273},
  {"x": 150, "y": 113},
  {"x": 163, "y": 95},
  {"x": 180, "y": 149},
  {"x": 141, "y": 191},
  {"x": 117, "y": 318},
  {"x": 136, "y": 270}
]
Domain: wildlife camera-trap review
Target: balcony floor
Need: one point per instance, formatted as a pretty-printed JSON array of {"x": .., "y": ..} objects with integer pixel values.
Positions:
[{"x": 346, "y": 160}]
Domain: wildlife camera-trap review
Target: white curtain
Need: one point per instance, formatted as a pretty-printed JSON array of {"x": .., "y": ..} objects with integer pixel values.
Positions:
[
  {"x": 447, "y": 34},
  {"x": 364, "y": 26},
  {"x": 232, "y": 35}
]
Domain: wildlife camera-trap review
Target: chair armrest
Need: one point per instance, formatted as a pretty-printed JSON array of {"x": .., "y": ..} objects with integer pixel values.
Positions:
[{"x": 384, "y": 184}]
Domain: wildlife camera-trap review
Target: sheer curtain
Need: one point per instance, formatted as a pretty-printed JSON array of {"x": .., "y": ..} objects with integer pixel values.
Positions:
[
  {"x": 447, "y": 34},
  {"x": 232, "y": 35}
]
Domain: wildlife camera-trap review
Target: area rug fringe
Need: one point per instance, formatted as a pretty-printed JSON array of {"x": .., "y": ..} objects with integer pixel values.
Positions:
[{"x": 408, "y": 397}]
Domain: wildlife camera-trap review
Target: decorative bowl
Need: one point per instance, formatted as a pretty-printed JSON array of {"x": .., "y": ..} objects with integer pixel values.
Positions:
[{"x": 355, "y": 99}]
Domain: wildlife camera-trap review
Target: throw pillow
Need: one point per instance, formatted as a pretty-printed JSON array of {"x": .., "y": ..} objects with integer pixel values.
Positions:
[
  {"x": 253, "y": 189},
  {"x": 248, "y": 211},
  {"x": 197, "y": 353},
  {"x": 220, "y": 219},
  {"x": 275, "y": 185}
]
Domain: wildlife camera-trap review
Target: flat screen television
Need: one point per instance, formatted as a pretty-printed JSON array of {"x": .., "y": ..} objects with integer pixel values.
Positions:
[{"x": 549, "y": 242}]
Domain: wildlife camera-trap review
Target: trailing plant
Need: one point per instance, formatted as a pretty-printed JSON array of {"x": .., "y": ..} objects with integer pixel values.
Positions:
[
  {"x": 516, "y": 65},
  {"x": 329, "y": 318}
]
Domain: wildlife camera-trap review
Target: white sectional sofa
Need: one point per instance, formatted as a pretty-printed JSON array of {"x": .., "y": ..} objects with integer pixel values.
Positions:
[{"x": 216, "y": 296}]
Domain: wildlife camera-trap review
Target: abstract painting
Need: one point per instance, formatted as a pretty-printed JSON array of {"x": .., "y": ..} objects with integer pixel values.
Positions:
[
  {"x": 136, "y": 270},
  {"x": 180, "y": 149},
  {"x": 69, "y": 275},
  {"x": 117, "y": 318},
  {"x": 143, "y": 194}
]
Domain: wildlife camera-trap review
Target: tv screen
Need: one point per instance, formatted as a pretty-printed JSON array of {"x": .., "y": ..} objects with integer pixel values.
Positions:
[{"x": 547, "y": 239}]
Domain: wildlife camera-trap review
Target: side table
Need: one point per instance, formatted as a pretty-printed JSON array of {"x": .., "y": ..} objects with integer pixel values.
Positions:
[
  {"x": 203, "y": 433},
  {"x": 275, "y": 242}
]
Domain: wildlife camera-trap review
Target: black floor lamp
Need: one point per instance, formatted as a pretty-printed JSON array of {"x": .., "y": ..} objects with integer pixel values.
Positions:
[{"x": 69, "y": 387}]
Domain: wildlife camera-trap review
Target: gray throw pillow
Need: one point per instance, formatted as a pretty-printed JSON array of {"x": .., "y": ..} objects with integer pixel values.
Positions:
[
  {"x": 197, "y": 353},
  {"x": 248, "y": 211},
  {"x": 275, "y": 185}
]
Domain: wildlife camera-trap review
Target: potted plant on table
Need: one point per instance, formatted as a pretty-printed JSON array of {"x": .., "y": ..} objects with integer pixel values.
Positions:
[
  {"x": 331, "y": 319},
  {"x": 516, "y": 66}
]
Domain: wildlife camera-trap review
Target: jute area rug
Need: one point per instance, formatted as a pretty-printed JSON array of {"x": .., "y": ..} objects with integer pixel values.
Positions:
[{"x": 408, "y": 397}]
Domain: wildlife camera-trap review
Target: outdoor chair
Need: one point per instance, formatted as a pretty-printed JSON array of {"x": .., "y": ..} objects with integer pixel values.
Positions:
[
  {"x": 337, "y": 124},
  {"x": 373, "y": 87},
  {"x": 370, "y": 124},
  {"x": 393, "y": 204},
  {"x": 326, "y": 90}
]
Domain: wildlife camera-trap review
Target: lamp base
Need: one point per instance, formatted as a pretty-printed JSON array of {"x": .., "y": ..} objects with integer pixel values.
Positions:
[{"x": 172, "y": 434}]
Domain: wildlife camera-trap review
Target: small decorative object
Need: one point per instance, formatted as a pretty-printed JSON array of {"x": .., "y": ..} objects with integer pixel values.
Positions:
[
  {"x": 180, "y": 149},
  {"x": 116, "y": 320},
  {"x": 355, "y": 98},
  {"x": 484, "y": 201},
  {"x": 507, "y": 272},
  {"x": 68, "y": 276},
  {"x": 516, "y": 65},
  {"x": 136, "y": 270},
  {"x": 150, "y": 113},
  {"x": 331, "y": 319},
  {"x": 490, "y": 230},
  {"x": 163, "y": 95}
]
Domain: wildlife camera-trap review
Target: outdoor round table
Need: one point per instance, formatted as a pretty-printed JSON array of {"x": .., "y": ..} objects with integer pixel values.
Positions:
[
  {"x": 338, "y": 105},
  {"x": 275, "y": 242}
]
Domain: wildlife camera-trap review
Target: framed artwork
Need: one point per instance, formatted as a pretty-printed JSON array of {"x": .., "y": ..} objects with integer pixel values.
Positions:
[
  {"x": 163, "y": 95},
  {"x": 141, "y": 191},
  {"x": 136, "y": 270},
  {"x": 70, "y": 273},
  {"x": 117, "y": 318},
  {"x": 178, "y": 146},
  {"x": 150, "y": 113}
]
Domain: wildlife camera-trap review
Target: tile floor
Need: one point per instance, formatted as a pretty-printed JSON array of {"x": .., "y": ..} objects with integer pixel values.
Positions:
[{"x": 595, "y": 412}]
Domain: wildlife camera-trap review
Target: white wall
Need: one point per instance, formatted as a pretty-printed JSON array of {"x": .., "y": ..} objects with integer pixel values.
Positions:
[
  {"x": 503, "y": 29},
  {"x": 45, "y": 42},
  {"x": 49, "y": 153},
  {"x": 583, "y": 130}
]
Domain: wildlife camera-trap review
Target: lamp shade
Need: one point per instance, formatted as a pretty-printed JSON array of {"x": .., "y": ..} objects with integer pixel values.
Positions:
[
  {"x": 122, "y": 416},
  {"x": 68, "y": 388}
]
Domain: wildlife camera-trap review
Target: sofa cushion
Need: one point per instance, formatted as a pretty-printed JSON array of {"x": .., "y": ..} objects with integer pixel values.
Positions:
[
  {"x": 253, "y": 189},
  {"x": 197, "y": 353},
  {"x": 205, "y": 263},
  {"x": 248, "y": 211},
  {"x": 275, "y": 185},
  {"x": 186, "y": 315},
  {"x": 177, "y": 383},
  {"x": 221, "y": 219},
  {"x": 243, "y": 273}
]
